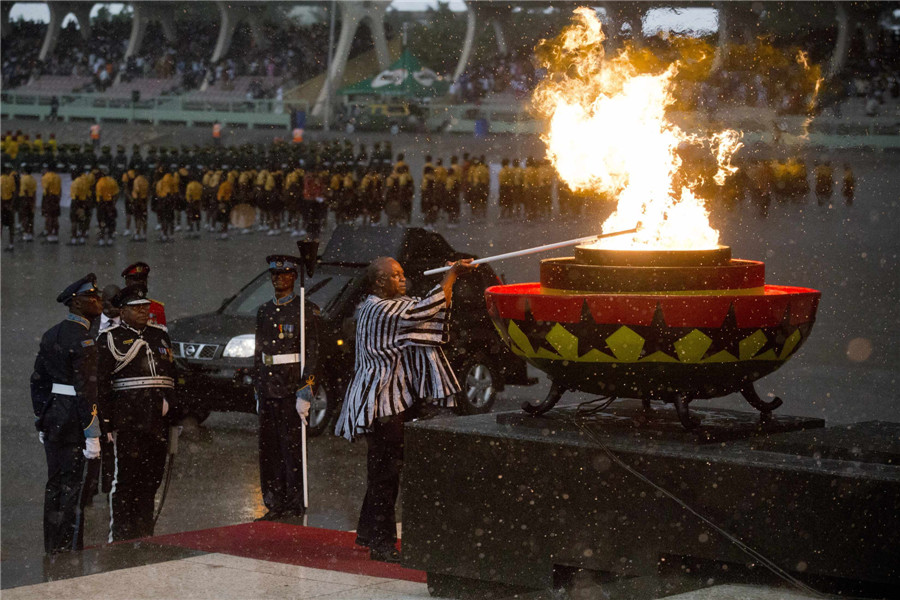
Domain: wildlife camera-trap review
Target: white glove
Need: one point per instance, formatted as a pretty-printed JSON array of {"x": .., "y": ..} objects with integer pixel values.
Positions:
[
  {"x": 91, "y": 448},
  {"x": 41, "y": 436},
  {"x": 165, "y": 407},
  {"x": 304, "y": 404}
]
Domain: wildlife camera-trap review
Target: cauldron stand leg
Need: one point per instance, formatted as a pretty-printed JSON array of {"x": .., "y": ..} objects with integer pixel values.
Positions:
[
  {"x": 681, "y": 402},
  {"x": 647, "y": 414},
  {"x": 553, "y": 396},
  {"x": 764, "y": 407}
]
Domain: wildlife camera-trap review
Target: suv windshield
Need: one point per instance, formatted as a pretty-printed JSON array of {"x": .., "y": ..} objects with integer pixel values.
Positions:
[{"x": 321, "y": 290}]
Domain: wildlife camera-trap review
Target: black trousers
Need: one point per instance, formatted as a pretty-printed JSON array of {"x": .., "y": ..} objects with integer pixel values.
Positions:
[
  {"x": 384, "y": 463},
  {"x": 281, "y": 455},
  {"x": 63, "y": 526},
  {"x": 140, "y": 461}
]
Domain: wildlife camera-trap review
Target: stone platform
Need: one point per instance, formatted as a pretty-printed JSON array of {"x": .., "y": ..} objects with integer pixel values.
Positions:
[{"x": 513, "y": 499}]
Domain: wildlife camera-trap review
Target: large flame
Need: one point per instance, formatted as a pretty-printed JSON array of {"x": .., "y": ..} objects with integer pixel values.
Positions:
[{"x": 608, "y": 134}]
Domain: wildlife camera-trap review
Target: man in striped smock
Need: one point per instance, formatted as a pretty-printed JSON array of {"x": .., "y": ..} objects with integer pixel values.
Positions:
[{"x": 399, "y": 363}]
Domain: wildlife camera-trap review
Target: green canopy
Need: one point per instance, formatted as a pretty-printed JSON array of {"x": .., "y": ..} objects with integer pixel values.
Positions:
[{"x": 405, "y": 78}]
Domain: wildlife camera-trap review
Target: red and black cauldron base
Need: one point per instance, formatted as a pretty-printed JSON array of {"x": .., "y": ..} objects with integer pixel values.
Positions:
[{"x": 656, "y": 325}]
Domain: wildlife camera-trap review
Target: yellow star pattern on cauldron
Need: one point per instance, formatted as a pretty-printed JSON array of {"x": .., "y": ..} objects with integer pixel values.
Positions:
[{"x": 626, "y": 345}]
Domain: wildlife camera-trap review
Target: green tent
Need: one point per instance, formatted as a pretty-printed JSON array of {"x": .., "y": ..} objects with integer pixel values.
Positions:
[{"x": 406, "y": 78}]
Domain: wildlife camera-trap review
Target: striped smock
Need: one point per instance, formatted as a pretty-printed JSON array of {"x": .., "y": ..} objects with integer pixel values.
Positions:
[{"x": 398, "y": 360}]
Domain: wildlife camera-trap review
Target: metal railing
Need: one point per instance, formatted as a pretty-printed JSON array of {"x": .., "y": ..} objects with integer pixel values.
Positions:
[
  {"x": 188, "y": 109},
  {"x": 197, "y": 109}
]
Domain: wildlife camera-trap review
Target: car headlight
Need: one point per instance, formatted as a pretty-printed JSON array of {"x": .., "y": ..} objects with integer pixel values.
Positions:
[{"x": 242, "y": 346}]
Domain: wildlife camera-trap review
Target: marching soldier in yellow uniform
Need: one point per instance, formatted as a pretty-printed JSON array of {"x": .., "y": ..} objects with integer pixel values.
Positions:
[
  {"x": 518, "y": 206},
  {"x": 193, "y": 195},
  {"x": 210, "y": 184},
  {"x": 126, "y": 187},
  {"x": 507, "y": 181},
  {"x": 259, "y": 198},
  {"x": 78, "y": 208},
  {"x": 371, "y": 196},
  {"x": 275, "y": 206},
  {"x": 7, "y": 191},
  {"x": 530, "y": 185},
  {"x": 349, "y": 205},
  {"x": 546, "y": 175},
  {"x": 428, "y": 196},
  {"x": 27, "y": 202},
  {"x": 223, "y": 200},
  {"x": 440, "y": 184},
  {"x": 50, "y": 209},
  {"x": 452, "y": 188},
  {"x": 107, "y": 194},
  {"x": 293, "y": 200},
  {"x": 479, "y": 182},
  {"x": 140, "y": 198},
  {"x": 407, "y": 189}
]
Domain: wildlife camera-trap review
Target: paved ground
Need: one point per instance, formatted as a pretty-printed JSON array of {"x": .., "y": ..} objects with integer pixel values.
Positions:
[{"x": 846, "y": 373}]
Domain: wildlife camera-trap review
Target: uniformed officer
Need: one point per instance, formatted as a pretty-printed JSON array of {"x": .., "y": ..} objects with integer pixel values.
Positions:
[
  {"x": 138, "y": 274},
  {"x": 284, "y": 393},
  {"x": 65, "y": 401},
  {"x": 136, "y": 387}
]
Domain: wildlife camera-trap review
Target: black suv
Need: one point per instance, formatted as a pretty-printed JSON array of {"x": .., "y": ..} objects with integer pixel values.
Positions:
[{"x": 214, "y": 351}]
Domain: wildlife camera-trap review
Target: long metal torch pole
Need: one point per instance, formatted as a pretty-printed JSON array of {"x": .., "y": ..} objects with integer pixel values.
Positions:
[{"x": 537, "y": 249}]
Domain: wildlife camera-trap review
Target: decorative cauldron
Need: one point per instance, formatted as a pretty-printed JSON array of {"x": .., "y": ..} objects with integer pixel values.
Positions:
[{"x": 667, "y": 325}]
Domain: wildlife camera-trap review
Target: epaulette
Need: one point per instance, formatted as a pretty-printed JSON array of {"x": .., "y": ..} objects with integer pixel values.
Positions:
[
  {"x": 109, "y": 328},
  {"x": 158, "y": 326}
]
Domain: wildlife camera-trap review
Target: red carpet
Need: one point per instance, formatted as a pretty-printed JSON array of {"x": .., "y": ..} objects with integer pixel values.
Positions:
[{"x": 290, "y": 544}]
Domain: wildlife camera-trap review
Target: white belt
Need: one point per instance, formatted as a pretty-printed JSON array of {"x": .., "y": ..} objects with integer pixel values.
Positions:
[
  {"x": 280, "y": 359},
  {"x": 63, "y": 389},
  {"x": 131, "y": 383}
]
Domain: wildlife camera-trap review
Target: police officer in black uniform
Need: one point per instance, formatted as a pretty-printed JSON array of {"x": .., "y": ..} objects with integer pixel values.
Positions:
[
  {"x": 136, "y": 385},
  {"x": 283, "y": 393},
  {"x": 64, "y": 396}
]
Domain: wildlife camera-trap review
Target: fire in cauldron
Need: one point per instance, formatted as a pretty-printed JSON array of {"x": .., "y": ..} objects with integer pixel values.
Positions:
[{"x": 664, "y": 313}]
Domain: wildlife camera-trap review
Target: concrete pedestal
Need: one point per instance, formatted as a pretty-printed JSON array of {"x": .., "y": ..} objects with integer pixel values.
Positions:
[{"x": 508, "y": 498}]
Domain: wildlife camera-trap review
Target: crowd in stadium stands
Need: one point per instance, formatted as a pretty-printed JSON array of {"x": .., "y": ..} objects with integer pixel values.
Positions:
[
  {"x": 300, "y": 188},
  {"x": 20, "y": 50},
  {"x": 498, "y": 74},
  {"x": 291, "y": 52}
]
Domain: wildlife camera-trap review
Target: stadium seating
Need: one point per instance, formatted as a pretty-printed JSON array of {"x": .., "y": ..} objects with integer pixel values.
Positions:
[{"x": 52, "y": 85}]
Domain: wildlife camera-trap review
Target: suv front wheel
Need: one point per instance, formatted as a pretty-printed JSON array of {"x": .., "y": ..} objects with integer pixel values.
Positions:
[
  {"x": 321, "y": 411},
  {"x": 480, "y": 383}
]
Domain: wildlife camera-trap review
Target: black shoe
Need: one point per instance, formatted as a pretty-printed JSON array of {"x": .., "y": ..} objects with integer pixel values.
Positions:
[
  {"x": 388, "y": 554},
  {"x": 364, "y": 542}
]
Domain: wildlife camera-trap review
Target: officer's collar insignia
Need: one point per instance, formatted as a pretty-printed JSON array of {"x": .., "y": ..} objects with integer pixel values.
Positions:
[
  {"x": 79, "y": 320},
  {"x": 285, "y": 300}
]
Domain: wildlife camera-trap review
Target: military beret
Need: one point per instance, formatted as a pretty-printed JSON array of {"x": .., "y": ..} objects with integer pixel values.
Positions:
[
  {"x": 282, "y": 263},
  {"x": 86, "y": 286},
  {"x": 130, "y": 294},
  {"x": 138, "y": 269}
]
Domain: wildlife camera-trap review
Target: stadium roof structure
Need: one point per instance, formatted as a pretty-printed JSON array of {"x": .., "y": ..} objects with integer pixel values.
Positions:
[{"x": 406, "y": 78}]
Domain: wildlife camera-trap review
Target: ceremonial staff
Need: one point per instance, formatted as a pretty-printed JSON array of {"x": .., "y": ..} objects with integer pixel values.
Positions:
[
  {"x": 308, "y": 254},
  {"x": 536, "y": 249}
]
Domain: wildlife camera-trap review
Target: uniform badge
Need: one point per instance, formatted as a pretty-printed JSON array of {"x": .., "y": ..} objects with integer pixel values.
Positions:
[
  {"x": 86, "y": 343},
  {"x": 128, "y": 342}
]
